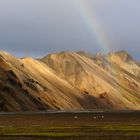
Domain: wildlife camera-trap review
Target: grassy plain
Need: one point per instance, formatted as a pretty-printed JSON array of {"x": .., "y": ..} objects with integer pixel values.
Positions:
[{"x": 71, "y": 125}]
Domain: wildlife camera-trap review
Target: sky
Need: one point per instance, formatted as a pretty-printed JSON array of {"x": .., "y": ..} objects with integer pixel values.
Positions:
[{"x": 38, "y": 27}]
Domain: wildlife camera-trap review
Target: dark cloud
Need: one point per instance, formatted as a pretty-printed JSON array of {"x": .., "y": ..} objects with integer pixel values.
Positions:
[{"x": 38, "y": 27}]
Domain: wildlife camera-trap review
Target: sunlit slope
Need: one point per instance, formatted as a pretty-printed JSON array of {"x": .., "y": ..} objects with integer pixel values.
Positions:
[
  {"x": 69, "y": 81},
  {"x": 112, "y": 79},
  {"x": 30, "y": 85}
]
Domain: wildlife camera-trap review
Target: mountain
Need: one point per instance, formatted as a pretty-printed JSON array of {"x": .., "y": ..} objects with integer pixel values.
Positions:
[{"x": 69, "y": 81}]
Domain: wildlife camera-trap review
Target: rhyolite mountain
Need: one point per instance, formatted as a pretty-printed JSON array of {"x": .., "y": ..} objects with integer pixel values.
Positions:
[{"x": 69, "y": 81}]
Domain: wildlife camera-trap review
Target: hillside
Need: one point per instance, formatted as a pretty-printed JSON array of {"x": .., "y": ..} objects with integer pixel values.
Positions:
[{"x": 69, "y": 81}]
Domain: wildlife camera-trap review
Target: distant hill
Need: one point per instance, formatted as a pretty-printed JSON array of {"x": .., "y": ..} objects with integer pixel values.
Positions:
[{"x": 69, "y": 81}]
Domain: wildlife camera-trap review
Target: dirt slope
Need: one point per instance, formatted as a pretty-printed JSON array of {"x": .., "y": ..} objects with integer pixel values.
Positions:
[{"x": 69, "y": 80}]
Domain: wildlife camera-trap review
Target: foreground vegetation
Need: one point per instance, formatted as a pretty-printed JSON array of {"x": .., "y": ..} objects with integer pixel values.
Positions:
[
  {"x": 108, "y": 129},
  {"x": 105, "y": 125}
]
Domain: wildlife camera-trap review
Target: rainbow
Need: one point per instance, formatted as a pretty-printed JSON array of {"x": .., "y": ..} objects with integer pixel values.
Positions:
[{"x": 93, "y": 23}]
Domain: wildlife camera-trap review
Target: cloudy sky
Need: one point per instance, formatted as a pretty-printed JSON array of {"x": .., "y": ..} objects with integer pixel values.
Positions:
[{"x": 38, "y": 27}]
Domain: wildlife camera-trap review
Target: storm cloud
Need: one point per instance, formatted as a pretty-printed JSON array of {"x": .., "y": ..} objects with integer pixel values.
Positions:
[{"x": 38, "y": 27}]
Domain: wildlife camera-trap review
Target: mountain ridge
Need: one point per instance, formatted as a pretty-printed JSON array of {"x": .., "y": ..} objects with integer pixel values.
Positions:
[{"x": 69, "y": 81}]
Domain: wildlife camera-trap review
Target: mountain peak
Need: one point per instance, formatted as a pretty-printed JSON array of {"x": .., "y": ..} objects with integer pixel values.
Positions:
[
  {"x": 4, "y": 53},
  {"x": 121, "y": 56}
]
